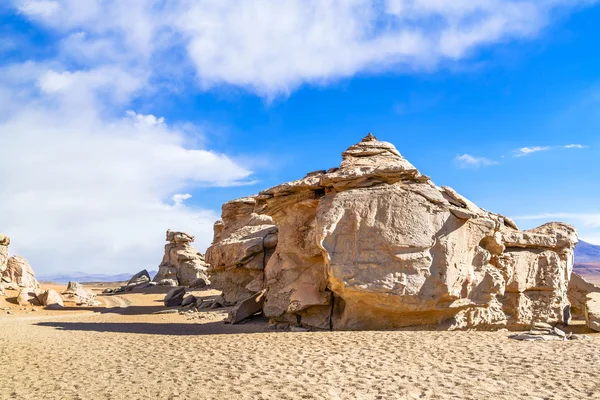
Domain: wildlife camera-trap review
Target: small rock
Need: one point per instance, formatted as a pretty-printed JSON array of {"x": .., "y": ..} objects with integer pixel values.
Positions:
[
  {"x": 559, "y": 332},
  {"x": 168, "y": 282},
  {"x": 200, "y": 283},
  {"x": 189, "y": 301},
  {"x": 169, "y": 311},
  {"x": 108, "y": 290},
  {"x": 175, "y": 297}
]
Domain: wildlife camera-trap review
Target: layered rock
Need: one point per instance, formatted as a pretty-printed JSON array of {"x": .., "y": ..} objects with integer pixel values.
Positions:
[
  {"x": 244, "y": 242},
  {"x": 578, "y": 290},
  {"x": 4, "y": 242},
  {"x": 374, "y": 244},
  {"x": 182, "y": 264},
  {"x": 19, "y": 272}
]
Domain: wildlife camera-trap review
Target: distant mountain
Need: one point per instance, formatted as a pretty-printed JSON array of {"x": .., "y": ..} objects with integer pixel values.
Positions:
[
  {"x": 586, "y": 252},
  {"x": 587, "y": 259},
  {"x": 82, "y": 277}
]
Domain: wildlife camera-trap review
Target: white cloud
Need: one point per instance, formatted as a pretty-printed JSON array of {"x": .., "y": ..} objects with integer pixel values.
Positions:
[
  {"x": 90, "y": 192},
  {"x": 469, "y": 161},
  {"x": 524, "y": 151},
  {"x": 272, "y": 47},
  {"x": 39, "y": 8}
]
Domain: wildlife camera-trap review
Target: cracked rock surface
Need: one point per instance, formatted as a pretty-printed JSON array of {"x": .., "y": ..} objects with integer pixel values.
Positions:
[{"x": 374, "y": 244}]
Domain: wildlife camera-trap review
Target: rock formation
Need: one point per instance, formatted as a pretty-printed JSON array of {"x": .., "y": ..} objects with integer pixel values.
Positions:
[
  {"x": 79, "y": 295},
  {"x": 4, "y": 242},
  {"x": 182, "y": 264},
  {"x": 244, "y": 242},
  {"x": 142, "y": 278},
  {"x": 374, "y": 245},
  {"x": 577, "y": 292},
  {"x": 592, "y": 311}
]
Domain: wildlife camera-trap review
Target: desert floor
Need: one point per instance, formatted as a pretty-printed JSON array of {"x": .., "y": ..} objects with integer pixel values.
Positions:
[{"x": 124, "y": 351}]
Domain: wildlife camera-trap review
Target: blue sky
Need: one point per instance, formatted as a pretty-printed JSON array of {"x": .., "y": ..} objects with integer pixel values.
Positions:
[{"x": 120, "y": 120}]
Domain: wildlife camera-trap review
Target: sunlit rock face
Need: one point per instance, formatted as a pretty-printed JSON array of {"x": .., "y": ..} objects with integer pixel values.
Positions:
[
  {"x": 376, "y": 245},
  {"x": 182, "y": 263}
]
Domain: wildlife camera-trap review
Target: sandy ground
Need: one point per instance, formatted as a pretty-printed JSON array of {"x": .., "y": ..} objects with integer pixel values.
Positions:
[{"x": 123, "y": 351}]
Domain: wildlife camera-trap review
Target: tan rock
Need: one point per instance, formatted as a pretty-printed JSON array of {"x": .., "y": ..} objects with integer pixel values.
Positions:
[
  {"x": 78, "y": 294},
  {"x": 19, "y": 271},
  {"x": 4, "y": 242},
  {"x": 182, "y": 263},
  {"x": 243, "y": 244},
  {"x": 50, "y": 298},
  {"x": 592, "y": 311},
  {"x": 578, "y": 290},
  {"x": 374, "y": 244}
]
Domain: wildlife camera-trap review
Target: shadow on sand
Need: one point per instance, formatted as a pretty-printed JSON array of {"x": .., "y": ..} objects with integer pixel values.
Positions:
[{"x": 257, "y": 325}]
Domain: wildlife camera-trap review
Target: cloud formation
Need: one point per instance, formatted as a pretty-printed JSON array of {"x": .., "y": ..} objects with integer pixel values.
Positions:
[
  {"x": 469, "y": 161},
  {"x": 273, "y": 47},
  {"x": 92, "y": 192}
]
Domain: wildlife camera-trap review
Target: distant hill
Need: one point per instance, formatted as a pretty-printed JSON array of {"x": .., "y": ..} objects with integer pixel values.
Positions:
[
  {"x": 83, "y": 277},
  {"x": 587, "y": 259}
]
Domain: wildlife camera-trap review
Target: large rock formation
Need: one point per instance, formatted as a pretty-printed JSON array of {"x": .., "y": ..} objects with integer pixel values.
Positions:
[
  {"x": 374, "y": 245},
  {"x": 577, "y": 292},
  {"x": 4, "y": 242},
  {"x": 182, "y": 263},
  {"x": 244, "y": 242}
]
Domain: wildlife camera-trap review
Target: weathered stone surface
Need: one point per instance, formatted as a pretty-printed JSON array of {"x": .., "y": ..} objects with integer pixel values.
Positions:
[
  {"x": 374, "y": 245},
  {"x": 592, "y": 311},
  {"x": 19, "y": 272},
  {"x": 50, "y": 298},
  {"x": 79, "y": 295},
  {"x": 175, "y": 297},
  {"x": 4, "y": 242},
  {"x": 141, "y": 278},
  {"x": 181, "y": 262},
  {"x": 188, "y": 300},
  {"x": 26, "y": 297},
  {"x": 247, "y": 308},
  {"x": 579, "y": 288},
  {"x": 243, "y": 244}
]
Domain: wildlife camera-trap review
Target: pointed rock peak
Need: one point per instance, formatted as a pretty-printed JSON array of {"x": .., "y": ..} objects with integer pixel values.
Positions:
[
  {"x": 370, "y": 152},
  {"x": 369, "y": 138}
]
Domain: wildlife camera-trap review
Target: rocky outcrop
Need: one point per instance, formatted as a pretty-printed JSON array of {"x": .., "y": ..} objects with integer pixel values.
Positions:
[
  {"x": 50, "y": 299},
  {"x": 244, "y": 241},
  {"x": 182, "y": 263},
  {"x": 4, "y": 242},
  {"x": 175, "y": 297},
  {"x": 578, "y": 290},
  {"x": 19, "y": 272},
  {"x": 79, "y": 295},
  {"x": 140, "y": 279},
  {"x": 592, "y": 311},
  {"x": 374, "y": 245}
]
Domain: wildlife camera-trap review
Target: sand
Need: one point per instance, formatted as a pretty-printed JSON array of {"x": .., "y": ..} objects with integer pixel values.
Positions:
[{"x": 123, "y": 351}]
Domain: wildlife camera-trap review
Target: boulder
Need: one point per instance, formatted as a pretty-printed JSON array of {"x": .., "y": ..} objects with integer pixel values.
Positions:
[
  {"x": 19, "y": 271},
  {"x": 200, "y": 283},
  {"x": 181, "y": 263},
  {"x": 175, "y": 297},
  {"x": 375, "y": 244},
  {"x": 27, "y": 297},
  {"x": 141, "y": 278},
  {"x": 79, "y": 295},
  {"x": 247, "y": 308},
  {"x": 189, "y": 300},
  {"x": 50, "y": 299},
  {"x": 592, "y": 311},
  {"x": 578, "y": 290}
]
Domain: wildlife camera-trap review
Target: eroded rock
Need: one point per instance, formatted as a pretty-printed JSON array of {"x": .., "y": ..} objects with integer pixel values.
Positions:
[
  {"x": 181, "y": 263},
  {"x": 374, "y": 245},
  {"x": 175, "y": 297},
  {"x": 19, "y": 272}
]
